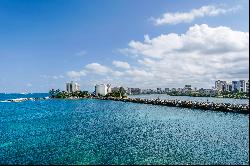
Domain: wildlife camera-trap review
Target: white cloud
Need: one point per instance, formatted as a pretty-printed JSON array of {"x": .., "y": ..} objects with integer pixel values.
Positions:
[
  {"x": 201, "y": 39},
  {"x": 117, "y": 73},
  {"x": 52, "y": 77},
  {"x": 186, "y": 17},
  {"x": 76, "y": 74},
  {"x": 120, "y": 64},
  {"x": 202, "y": 55},
  {"x": 198, "y": 57},
  {"x": 97, "y": 68}
]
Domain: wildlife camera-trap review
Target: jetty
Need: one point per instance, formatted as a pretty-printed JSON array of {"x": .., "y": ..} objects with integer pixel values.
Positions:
[
  {"x": 26, "y": 99},
  {"x": 222, "y": 107}
]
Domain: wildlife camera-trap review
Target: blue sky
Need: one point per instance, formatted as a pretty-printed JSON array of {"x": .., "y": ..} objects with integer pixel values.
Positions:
[{"x": 45, "y": 43}]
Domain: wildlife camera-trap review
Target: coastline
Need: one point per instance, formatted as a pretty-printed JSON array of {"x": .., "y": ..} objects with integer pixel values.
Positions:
[{"x": 222, "y": 107}]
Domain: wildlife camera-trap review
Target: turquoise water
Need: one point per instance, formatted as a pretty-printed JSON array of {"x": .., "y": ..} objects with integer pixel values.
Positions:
[
  {"x": 189, "y": 98},
  {"x": 90, "y": 131}
]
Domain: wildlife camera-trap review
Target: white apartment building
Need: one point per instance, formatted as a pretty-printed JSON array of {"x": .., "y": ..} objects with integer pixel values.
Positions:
[
  {"x": 109, "y": 90},
  {"x": 72, "y": 87},
  {"x": 229, "y": 87},
  {"x": 220, "y": 85},
  {"x": 247, "y": 86},
  {"x": 239, "y": 86},
  {"x": 101, "y": 89}
]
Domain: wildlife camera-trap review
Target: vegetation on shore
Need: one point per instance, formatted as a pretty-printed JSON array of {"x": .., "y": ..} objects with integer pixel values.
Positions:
[
  {"x": 121, "y": 93},
  {"x": 63, "y": 94}
]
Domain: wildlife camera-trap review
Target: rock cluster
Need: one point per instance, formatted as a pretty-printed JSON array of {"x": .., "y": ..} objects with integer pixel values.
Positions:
[{"x": 223, "y": 107}]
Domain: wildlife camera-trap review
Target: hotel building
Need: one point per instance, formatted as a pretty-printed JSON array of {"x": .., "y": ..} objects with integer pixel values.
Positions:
[{"x": 72, "y": 87}]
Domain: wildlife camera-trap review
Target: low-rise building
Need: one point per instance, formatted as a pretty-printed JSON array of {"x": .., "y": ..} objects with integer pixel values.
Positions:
[
  {"x": 173, "y": 90},
  {"x": 158, "y": 90},
  {"x": 166, "y": 90},
  {"x": 134, "y": 91}
]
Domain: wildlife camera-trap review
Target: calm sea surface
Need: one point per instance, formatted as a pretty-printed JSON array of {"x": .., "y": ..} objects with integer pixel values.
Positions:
[{"x": 90, "y": 131}]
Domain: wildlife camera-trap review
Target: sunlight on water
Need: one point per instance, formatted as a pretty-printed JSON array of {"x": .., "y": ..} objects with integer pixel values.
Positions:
[{"x": 108, "y": 132}]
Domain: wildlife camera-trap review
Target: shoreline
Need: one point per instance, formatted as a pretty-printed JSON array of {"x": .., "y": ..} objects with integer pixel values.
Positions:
[
  {"x": 223, "y": 97},
  {"x": 221, "y": 107}
]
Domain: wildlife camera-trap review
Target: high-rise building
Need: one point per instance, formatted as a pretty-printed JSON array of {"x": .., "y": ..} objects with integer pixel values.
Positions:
[
  {"x": 247, "y": 86},
  {"x": 235, "y": 86},
  {"x": 239, "y": 86},
  {"x": 229, "y": 87},
  {"x": 101, "y": 89},
  {"x": 109, "y": 90},
  {"x": 72, "y": 87},
  {"x": 242, "y": 86},
  {"x": 220, "y": 85}
]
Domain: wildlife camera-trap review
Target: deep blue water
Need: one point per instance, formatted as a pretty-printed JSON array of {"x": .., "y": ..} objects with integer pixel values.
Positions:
[{"x": 90, "y": 131}]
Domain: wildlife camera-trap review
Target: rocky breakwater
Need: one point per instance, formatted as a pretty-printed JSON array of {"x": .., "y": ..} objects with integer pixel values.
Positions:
[
  {"x": 223, "y": 107},
  {"x": 26, "y": 99}
]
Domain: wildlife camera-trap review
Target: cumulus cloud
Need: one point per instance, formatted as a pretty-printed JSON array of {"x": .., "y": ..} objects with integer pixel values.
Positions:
[
  {"x": 199, "y": 56},
  {"x": 120, "y": 64},
  {"x": 186, "y": 17},
  {"x": 76, "y": 74},
  {"x": 201, "y": 39},
  {"x": 97, "y": 68}
]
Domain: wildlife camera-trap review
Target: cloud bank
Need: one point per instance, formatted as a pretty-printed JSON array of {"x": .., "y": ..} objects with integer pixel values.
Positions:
[{"x": 198, "y": 57}]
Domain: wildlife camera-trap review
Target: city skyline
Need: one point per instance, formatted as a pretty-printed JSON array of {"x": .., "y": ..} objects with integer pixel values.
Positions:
[
  {"x": 45, "y": 44},
  {"x": 233, "y": 86}
]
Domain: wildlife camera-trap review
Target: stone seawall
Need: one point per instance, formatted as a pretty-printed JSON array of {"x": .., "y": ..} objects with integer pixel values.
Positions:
[{"x": 223, "y": 107}]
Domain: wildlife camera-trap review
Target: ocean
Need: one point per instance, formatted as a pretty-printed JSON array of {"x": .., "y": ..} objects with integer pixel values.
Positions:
[{"x": 90, "y": 131}]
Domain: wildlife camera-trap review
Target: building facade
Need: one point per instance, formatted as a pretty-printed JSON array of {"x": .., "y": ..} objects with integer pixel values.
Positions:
[
  {"x": 101, "y": 89},
  {"x": 229, "y": 87},
  {"x": 134, "y": 91},
  {"x": 239, "y": 86},
  {"x": 247, "y": 86},
  {"x": 109, "y": 90},
  {"x": 220, "y": 85},
  {"x": 72, "y": 87}
]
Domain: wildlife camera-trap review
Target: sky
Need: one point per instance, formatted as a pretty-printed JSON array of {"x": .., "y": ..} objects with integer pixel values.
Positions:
[{"x": 145, "y": 44}]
